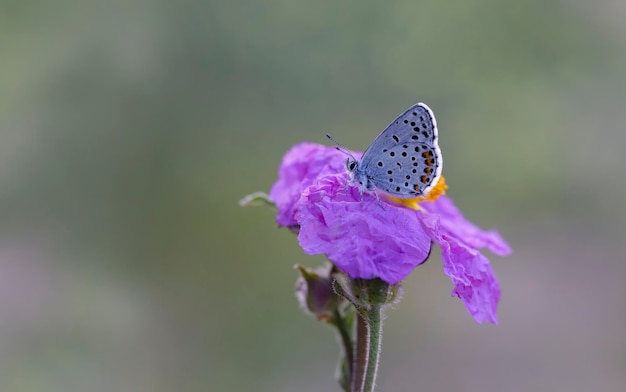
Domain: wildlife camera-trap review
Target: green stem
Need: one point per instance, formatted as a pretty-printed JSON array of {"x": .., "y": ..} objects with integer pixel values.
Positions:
[
  {"x": 368, "y": 339},
  {"x": 375, "y": 330}
]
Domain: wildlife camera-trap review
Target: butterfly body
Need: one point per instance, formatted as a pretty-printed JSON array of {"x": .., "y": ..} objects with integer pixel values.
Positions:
[{"x": 404, "y": 160}]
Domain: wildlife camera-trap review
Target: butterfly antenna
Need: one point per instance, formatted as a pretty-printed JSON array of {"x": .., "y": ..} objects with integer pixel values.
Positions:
[{"x": 340, "y": 147}]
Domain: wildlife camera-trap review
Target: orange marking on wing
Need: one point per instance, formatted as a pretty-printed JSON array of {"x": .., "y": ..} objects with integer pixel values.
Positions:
[
  {"x": 428, "y": 155},
  {"x": 413, "y": 203}
]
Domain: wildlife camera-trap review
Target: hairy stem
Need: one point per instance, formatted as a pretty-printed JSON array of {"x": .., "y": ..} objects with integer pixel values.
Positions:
[
  {"x": 368, "y": 339},
  {"x": 374, "y": 337}
]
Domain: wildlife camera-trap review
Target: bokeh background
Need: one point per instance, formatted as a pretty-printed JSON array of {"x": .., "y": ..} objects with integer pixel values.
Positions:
[{"x": 130, "y": 129}]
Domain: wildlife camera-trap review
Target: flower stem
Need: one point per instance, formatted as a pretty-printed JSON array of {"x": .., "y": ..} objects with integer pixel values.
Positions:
[
  {"x": 375, "y": 329},
  {"x": 369, "y": 335}
]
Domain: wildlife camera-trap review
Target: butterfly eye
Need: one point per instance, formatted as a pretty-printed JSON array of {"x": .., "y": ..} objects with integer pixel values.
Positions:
[{"x": 352, "y": 165}]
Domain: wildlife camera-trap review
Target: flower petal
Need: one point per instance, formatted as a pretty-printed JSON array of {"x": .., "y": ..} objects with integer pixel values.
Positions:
[
  {"x": 300, "y": 167},
  {"x": 474, "y": 280},
  {"x": 454, "y": 223},
  {"x": 365, "y": 239}
]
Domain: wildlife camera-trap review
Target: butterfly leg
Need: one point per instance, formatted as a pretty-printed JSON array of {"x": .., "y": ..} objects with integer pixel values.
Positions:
[{"x": 380, "y": 203}]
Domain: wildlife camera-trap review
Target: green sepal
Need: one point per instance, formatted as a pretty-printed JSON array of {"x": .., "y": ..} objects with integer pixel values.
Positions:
[
  {"x": 363, "y": 293},
  {"x": 257, "y": 199}
]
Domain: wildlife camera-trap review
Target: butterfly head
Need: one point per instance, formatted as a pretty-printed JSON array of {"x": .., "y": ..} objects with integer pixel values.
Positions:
[
  {"x": 354, "y": 169},
  {"x": 351, "y": 164},
  {"x": 357, "y": 175}
]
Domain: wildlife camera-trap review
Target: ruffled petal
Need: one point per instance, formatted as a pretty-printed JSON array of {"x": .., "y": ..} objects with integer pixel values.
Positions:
[
  {"x": 365, "y": 239},
  {"x": 474, "y": 281},
  {"x": 302, "y": 165},
  {"x": 454, "y": 223}
]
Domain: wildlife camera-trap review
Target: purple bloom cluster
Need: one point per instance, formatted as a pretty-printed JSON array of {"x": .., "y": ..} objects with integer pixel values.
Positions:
[{"x": 367, "y": 239}]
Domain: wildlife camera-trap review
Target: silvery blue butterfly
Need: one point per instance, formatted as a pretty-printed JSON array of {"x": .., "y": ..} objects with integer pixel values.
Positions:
[{"x": 404, "y": 160}]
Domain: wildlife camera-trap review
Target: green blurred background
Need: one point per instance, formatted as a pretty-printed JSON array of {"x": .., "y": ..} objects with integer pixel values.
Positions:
[{"x": 129, "y": 130}]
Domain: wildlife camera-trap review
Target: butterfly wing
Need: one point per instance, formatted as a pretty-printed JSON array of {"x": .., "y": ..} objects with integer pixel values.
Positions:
[{"x": 405, "y": 159}]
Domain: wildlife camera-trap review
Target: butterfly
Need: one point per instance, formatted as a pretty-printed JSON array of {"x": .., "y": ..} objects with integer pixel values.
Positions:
[{"x": 404, "y": 160}]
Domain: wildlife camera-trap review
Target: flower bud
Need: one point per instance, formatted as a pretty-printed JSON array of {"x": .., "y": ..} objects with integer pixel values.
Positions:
[{"x": 314, "y": 290}]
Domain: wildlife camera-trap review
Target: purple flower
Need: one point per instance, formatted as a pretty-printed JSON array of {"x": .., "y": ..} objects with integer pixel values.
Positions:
[{"x": 369, "y": 238}]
